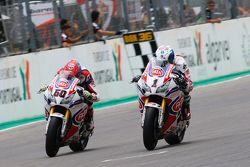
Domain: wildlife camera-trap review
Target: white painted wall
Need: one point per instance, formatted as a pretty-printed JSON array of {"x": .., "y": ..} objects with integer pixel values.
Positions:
[
  {"x": 225, "y": 47},
  {"x": 97, "y": 57}
]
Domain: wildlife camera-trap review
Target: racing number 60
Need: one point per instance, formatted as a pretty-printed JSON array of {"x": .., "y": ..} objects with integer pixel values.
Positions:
[{"x": 60, "y": 93}]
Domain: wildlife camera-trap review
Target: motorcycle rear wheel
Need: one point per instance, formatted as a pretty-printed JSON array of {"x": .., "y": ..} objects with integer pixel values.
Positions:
[
  {"x": 53, "y": 138},
  {"x": 150, "y": 128},
  {"x": 177, "y": 138},
  {"x": 80, "y": 145}
]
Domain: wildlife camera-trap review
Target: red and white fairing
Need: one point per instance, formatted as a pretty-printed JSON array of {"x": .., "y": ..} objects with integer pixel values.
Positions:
[
  {"x": 63, "y": 92},
  {"x": 159, "y": 81}
]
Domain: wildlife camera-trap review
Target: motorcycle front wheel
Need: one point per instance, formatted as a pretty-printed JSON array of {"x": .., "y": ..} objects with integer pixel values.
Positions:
[
  {"x": 53, "y": 136},
  {"x": 150, "y": 128}
]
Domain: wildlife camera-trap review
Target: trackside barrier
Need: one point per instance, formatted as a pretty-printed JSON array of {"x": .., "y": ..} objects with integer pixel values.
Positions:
[
  {"x": 211, "y": 50},
  {"x": 22, "y": 75}
]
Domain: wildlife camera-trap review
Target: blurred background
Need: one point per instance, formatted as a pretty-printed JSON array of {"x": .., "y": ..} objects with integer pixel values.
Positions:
[{"x": 29, "y": 26}]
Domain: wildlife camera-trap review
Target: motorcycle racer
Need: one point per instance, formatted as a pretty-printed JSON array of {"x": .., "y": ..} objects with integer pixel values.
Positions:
[
  {"x": 165, "y": 55},
  {"x": 86, "y": 81}
]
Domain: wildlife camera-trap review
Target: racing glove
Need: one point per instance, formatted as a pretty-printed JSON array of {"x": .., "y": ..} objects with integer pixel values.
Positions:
[
  {"x": 84, "y": 93},
  {"x": 120, "y": 32},
  {"x": 182, "y": 83},
  {"x": 180, "y": 80},
  {"x": 87, "y": 95},
  {"x": 42, "y": 89},
  {"x": 135, "y": 79}
]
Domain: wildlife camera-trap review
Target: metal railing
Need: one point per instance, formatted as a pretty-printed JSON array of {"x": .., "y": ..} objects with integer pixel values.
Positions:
[{"x": 27, "y": 26}]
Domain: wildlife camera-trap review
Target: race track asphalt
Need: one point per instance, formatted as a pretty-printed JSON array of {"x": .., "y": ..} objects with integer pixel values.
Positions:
[{"x": 219, "y": 136}]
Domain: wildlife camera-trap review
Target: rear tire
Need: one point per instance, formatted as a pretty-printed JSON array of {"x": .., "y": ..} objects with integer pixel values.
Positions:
[
  {"x": 172, "y": 139},
  {"x": 79, "y": 146},
  {"x": 53, "y": 138},
  {"x": 150, "y": 128}
]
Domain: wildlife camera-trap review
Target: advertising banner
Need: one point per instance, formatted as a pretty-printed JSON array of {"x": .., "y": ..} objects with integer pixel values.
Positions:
[
  {"x": 211, "y": 50},
  {"x": 42, "y": 13},
  {"x": 18, "y": 80},
  {"x": 21, "y": 76},
  {"x": 110, "y": 68}
]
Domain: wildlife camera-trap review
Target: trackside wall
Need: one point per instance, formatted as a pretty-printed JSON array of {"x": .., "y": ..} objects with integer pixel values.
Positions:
[{"x": 211, "y": 50}]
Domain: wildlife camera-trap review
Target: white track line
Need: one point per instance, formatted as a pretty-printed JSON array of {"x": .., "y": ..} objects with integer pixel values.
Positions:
[{"x": 136, "y": 156}]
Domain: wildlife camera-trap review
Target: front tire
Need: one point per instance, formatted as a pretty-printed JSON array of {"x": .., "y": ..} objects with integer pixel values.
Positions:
[
  {"x": 150, "y": 128},
  {"x": 53, "y": 138}
]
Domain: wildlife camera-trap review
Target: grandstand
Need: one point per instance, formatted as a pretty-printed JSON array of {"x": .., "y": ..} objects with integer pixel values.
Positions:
[{"x": 29, "y": 26}]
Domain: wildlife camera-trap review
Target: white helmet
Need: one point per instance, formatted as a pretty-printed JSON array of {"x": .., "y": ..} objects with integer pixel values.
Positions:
[{"x": 164, "y": 54}]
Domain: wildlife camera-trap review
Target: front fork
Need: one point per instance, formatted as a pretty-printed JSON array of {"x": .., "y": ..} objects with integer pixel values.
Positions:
[
  {"x": 161, "y": 109},
  {"x": 65, "y": 119}
]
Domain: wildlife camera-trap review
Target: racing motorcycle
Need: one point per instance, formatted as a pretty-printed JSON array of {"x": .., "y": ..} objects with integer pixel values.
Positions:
[
  {"x": 65, "y": 110},
  {"x": 162, "y": 98}
]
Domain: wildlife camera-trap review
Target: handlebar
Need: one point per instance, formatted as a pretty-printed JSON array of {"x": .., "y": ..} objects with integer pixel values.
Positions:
[{"x": 135, "y": 79}]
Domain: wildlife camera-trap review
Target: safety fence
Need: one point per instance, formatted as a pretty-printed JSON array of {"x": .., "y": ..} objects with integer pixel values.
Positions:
[{"x": 28, "y": 26}]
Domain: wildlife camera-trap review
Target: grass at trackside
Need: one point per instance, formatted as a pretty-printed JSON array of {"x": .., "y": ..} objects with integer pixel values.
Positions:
[{"x": 103, "y": 104}]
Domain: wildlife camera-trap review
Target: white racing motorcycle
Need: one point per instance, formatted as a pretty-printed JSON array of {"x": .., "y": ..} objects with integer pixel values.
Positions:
[
  {"x": 65, "y": 111},
  {"x": 162, "y": 98}
]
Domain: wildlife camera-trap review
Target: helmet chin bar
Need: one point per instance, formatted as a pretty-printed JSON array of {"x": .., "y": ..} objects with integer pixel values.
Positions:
[{"x": 164, "y": 63}]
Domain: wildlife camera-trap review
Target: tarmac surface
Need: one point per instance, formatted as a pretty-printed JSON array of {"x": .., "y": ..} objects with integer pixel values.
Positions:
[{"x": 218, "y": 136}]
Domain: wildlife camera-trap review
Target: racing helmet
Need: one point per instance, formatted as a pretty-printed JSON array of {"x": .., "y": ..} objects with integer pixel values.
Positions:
[
  {"x": 73, "y": 67},
  {"x": 164, "y": 55}
]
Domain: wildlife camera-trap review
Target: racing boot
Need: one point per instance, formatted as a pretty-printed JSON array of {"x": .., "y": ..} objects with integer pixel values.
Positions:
[
  {"x": 186, "y": 112},
  {"x": 90, "y": 123},
  {"x": 89, "y": 118},
  {"x": 186, "y": 107}
]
